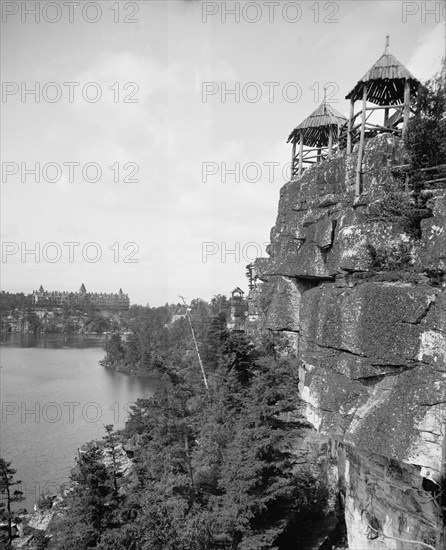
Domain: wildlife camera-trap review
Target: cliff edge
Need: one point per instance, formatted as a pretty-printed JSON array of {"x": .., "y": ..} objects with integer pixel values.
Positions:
[{"x": 359, "y": 285}]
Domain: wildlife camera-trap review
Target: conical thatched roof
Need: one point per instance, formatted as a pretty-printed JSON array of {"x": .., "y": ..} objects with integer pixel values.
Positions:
[
  {"x": 316, "y": 126},
  {"x": 385, "y": 81}
]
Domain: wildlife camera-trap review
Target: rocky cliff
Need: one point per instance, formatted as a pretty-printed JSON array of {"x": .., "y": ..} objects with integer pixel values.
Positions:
[{"x": 359, "y": 285}]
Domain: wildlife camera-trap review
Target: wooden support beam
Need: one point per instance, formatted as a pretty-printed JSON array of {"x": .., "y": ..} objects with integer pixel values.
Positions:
[
  {"x": 406, "y": 107},
  {"x": 295, "y": 165},
  {"x": 358, "y": 186},
  {"x": 369, "y": 115},
  {"x": 301, "y": 150},
  {"x": 439, "y": 180},
  {"x": 309, "y": 149},
  {"x": 378, "y": 107},
  {"x": 379, "y": 127},
  {"x": 432, "y": 168},
  {"x": 349, "y": 127},
  {"x": 293, "y": 158},
  {"x": 407, "y": 167},
  {"x": 318, "y": 157},
  {"x": 330, "y": 140},
  {"x": 355, "y": 116}
]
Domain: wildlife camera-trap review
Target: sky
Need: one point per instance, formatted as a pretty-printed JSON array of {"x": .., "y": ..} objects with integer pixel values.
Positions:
[{"x": 157, "y": 130}]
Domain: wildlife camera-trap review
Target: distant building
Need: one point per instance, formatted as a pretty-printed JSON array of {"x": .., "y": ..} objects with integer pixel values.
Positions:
[
  {"x": 255, "y": 314},
  {"x": 100, "y": 300},
  {"x": 237, "y": 312}
]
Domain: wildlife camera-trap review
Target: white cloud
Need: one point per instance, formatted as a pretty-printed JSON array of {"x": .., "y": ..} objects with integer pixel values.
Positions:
[{"x": 426, "y": 61}]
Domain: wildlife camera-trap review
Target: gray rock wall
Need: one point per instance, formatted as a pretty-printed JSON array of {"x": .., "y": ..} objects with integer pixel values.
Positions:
[{"x": 366, "y": 300}]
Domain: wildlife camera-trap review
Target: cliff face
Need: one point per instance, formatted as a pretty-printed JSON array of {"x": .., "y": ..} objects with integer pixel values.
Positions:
[{"x": 363, "y": 294}]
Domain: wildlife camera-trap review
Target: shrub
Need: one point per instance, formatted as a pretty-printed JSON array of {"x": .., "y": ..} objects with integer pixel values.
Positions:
[
  {"x": 405, "y": 210},
  {"x": 393, "y": 257},
  {"x": 45, "y": 502}
]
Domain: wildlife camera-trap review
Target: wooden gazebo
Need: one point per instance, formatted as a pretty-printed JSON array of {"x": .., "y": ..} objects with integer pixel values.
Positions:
[
  {"x": 389, "y": 86},
  {"x": 318, "y": 133},
  {"x": 237, "y": 293}
]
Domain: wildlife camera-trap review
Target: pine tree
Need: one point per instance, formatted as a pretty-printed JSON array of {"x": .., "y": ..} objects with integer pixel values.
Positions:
[
  {"x": 6, "y": 489},
  {"x": 91, "y": 505}
]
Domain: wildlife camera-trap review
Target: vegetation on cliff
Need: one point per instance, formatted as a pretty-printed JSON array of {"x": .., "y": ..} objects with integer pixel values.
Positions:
[
  {"x": 426, "y": 138},
  {"x": 214, "y": 468},
  {"x": 425, "y": 145}
]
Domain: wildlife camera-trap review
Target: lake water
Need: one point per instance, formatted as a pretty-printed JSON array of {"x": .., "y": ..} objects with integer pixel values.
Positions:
[{"x": 55, "y": 396}]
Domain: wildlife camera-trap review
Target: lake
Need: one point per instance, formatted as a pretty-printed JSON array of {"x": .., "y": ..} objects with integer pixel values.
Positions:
[{"x": 55, "y": 396}]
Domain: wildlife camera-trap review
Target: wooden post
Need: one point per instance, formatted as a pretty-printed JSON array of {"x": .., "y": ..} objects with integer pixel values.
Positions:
[
  {"x": 358, "y": 187},
  {"x": 301, "y": 150},
  {"x": 349, "y": 127},
  {"x": 293, "y": 160},
  {"x": 386, "y": 116},
  {"x": 318, "y": 155},
  {"x": 330, "y": 140},
  {"x": 203, "y": 372},
  {"x": 406, "y": 107}
]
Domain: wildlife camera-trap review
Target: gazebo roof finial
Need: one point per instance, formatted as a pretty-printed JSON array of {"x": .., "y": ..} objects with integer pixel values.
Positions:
[
  {"x": 385, "y": 81},
  {"x": 316, "y": 127}
]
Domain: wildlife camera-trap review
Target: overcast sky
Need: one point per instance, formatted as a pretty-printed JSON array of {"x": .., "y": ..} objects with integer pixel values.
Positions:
[{"x": 172, "y": 224}]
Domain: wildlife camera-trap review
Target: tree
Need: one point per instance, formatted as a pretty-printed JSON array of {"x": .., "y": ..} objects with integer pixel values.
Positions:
[
  {"x": 111, "y": 446},
  {"x": 264, "y": 494},
  {"x": 6, "y": 488},
  {"x": 238, "y": 356},
  {"x": 216, "y": 335},
  {"x": 426, "y": 136},
  {"x": 34, "y": 323},
  {"x": 114, "y": 351},
  {"x": 91, "y": 506}
]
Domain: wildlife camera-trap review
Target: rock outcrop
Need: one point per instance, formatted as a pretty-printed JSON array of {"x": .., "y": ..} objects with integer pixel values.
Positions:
[{"x": 364, "y": 293}]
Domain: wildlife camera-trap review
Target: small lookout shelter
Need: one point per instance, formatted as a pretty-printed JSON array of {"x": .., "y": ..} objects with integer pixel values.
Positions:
[
  {"x": 388, "y": 85},
  {"x": 318, "y": 133},
  {"x": 237, "y": 293}
]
